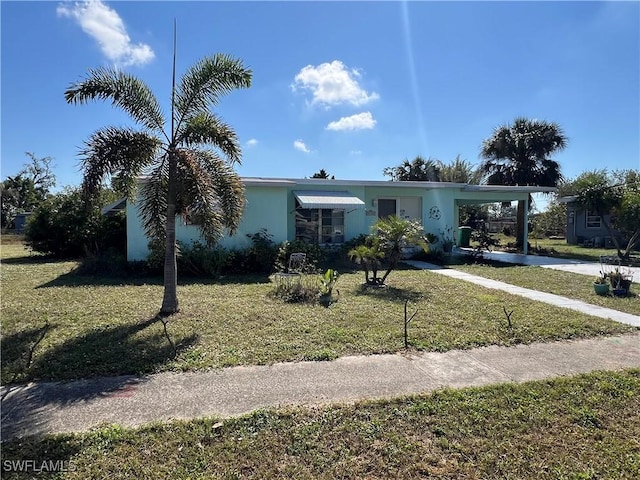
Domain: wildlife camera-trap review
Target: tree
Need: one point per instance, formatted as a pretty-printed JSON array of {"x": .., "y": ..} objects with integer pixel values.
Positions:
[
  {"x": 458, "y": 171},
  {"x": 187, "y": 160},
  {"x": 553, "y": 221},
  {"x": 389, "y": 237},
  {"x": 519, "y": 154},
  {"x": 417, "y": 169},
  {"x": 323, "y": 174},
  {"x": 39, "y": 170},
  {"x": 26, "y": 190}
]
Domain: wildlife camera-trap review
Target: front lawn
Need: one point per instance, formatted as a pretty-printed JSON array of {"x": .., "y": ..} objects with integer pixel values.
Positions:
[
  {"x": 558, "y": 282},
  {"x": 66, "y": 326},
  {"x": 582, "y": 427}
]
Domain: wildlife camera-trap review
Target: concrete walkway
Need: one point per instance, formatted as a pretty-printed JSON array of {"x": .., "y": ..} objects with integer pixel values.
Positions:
[
  {"x": 568, "y": 265},
  {"x": 550, "y": 298},
  {"x": 39, "y": 408}
]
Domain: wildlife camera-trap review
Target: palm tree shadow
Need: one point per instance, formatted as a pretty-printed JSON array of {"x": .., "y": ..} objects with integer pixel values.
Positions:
[
  {"x": 108, "y": 362},
  {"x": 389, "y": 293}
]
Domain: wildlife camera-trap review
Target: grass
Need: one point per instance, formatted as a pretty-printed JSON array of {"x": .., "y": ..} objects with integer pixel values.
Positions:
[
  {"x": 582, "y": 427},
  {"x": 58, "y": 325},
  {"x": 566, "y": 284},
  {"x": 561, "y": 248}
]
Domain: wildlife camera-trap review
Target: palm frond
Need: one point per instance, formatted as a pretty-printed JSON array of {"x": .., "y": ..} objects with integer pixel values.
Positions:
[
  {"x": 119, "y": 152},
  {"x": 124, "y": 91},
  {"x": 153, "y": 201},
  {"x": 210, "y": 192},
  {"x": 205, "y": 82},
  {"x": 518, "y": 154},
  {"x": 205, "y": 128}
]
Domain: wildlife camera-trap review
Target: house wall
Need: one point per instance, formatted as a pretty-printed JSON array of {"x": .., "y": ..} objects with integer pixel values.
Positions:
[
  {"x": 272, "y": 208},
  {"x": 578, "y": 232},
  {"x": 262, "y": 211}
]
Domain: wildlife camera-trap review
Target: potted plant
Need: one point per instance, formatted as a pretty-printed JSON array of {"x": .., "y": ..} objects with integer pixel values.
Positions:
[
  {"x": 620, "y": 281},
  {"x": 601, "y": 285}
]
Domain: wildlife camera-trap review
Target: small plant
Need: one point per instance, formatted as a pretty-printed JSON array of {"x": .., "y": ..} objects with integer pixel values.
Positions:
[
  {"x": 621, "y": 279},
  {"x": 446, "y": 239},
  {"x": 300, "y": 289},
  {"x": 484, "y": 242},
  {"x": 601, "y": 279},
  {"x": 327, "y": 282},
  {"x": 369, "y": 257}
]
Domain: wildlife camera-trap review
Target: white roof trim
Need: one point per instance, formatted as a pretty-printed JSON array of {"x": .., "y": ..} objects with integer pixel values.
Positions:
[
  {"x": 326, "y": 199},
  {"x": 508, "y": 188}
]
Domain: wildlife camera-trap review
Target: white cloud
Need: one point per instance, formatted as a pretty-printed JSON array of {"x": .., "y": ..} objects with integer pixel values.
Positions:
[
  {"x": 333, "y": 84},
  {"x": 359, "y": 121},
  {"x": 105, "y": 26},
  {"x": 299, "y": 145},
  {"x": 252, "y": 143},
  {"x": 355, "y": 152}
]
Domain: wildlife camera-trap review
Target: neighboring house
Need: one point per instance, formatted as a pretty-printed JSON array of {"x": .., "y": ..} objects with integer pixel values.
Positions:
[
  {"x": 586, "y": 227},
  {"x": 330, "y": 212},
  {"x": 20, "y": 221}
]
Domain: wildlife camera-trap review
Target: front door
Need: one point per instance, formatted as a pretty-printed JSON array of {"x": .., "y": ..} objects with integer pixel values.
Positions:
[{"x": 386, "y": 207}]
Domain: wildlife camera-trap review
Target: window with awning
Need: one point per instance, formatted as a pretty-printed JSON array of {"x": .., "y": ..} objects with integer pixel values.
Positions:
[
  {"x": 324, "y": 199},
  {"x": 319, "y": 216}
]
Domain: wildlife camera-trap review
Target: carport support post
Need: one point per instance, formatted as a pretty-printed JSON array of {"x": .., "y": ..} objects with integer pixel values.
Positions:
[{"x": 525, "y": 240}]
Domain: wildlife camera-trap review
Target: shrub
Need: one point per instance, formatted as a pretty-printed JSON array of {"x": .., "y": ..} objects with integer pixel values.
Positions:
[
  {"x": 198, "y": 259},
  {"x": 66, "y": 226},
  {"x": 297, "y": 289},
  {"x": 315, "y": 255},
  {"x": 201, "y": 261}
]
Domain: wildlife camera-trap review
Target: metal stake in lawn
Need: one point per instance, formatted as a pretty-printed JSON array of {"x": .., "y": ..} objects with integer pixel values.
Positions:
[{"x": 407, "y": 320}]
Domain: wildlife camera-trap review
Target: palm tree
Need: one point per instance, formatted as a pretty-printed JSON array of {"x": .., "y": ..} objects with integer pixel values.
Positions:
[
  {"x": 389, "y": 237},
  {"x": 459, "y": 171},
  {"x": 518, "y": 154},
  {"x": 187, "y": 162},
  {"x": 416, "y": 169}
]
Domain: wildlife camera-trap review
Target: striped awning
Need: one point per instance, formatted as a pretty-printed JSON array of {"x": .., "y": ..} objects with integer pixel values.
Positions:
[{"x": 324, "y": 199}]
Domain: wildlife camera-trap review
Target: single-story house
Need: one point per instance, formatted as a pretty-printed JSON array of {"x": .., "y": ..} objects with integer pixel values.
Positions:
[
  {"x": 586, "y": 227},
  {"x": 329, "y": 212},
  {"x": 20, "y": 221}
]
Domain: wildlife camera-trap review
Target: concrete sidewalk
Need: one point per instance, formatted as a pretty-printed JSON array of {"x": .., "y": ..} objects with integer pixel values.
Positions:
[
  {"x": 566, "y": 264},
  {"x": 550, "y": 298},
  {"x": 40, "y": 408}
]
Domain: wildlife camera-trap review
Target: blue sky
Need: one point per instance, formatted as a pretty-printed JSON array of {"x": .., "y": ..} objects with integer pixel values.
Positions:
[{"x": 351, "y": 87}]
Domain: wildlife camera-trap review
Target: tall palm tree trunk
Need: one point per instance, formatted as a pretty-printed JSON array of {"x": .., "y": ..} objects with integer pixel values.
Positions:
[{"x": 170, "y": 296}]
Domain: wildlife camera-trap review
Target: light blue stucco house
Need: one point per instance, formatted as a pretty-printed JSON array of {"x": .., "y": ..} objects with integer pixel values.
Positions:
[{"x": 329, "y": 212}]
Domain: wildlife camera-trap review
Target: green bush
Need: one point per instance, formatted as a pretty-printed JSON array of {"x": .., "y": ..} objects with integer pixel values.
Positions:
[
  {"x": 297, "y": 289},
  {"x": 65, "y": 226},
  {"x": 315, "y": 255},
  {"x": 201, "y": 261}
]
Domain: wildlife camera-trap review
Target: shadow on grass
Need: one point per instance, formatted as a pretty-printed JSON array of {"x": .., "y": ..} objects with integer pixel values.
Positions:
[
  {"x": 114, "y": 352},
  {"x": 74, "y": 279},
  {"x": 388, "y": 293},
  {"x": 32, "y": 260}
]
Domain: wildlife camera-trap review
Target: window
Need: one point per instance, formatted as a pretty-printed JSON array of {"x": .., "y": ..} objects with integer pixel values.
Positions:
[
  {"x": 592, "y": 219},
  {"x": 320, "y": 225}
]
